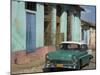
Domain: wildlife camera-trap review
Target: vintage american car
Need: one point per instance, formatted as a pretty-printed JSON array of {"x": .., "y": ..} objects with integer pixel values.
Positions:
[{"x": 69, "y": 55}]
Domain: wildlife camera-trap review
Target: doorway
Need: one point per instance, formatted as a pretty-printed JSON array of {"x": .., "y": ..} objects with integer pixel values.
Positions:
[{"x": 30, "y": 31}]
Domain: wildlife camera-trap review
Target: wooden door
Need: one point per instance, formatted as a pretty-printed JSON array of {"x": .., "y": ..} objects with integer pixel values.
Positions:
[{"x": 30, "y": 31}]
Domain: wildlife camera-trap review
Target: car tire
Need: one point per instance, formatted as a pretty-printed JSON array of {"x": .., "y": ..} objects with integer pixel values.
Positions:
[{"x": 46, "y": 70}]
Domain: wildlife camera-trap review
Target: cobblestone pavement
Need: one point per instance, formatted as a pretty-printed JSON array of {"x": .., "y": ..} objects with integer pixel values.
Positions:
[{"x": 92, "y": 64}]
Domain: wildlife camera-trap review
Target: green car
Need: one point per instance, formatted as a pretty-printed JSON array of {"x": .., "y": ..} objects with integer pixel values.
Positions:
[{"x": 70, "y": 55}]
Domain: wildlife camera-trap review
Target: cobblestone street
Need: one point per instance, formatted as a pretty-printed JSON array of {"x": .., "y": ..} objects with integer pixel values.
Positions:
[{"x": 92, "y": 64}]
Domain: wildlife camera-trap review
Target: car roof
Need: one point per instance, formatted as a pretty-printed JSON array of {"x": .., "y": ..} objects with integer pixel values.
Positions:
[{"x": 80, "y": 43}]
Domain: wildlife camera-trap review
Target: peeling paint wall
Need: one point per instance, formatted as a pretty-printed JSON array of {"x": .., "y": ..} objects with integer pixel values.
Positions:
[
  {"x": 40, "y": 25},
  {"x": 63, "y": 21},
  {"x": 18, "y": 26},
  {"x": 53, "y": 24},
  {"x": 76, "y": 27}
]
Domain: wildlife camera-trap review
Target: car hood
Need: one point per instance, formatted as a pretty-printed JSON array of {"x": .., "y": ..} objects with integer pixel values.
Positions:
[{"x": 65, "y": 54}]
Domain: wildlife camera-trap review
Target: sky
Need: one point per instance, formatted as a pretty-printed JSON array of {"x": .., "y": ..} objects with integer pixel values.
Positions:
[{"x": 89, "y": 14}]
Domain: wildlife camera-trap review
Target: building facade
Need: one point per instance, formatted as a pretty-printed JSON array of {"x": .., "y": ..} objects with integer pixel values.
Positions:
[
  {"x": 36, "y": 24},
  {"x": 89, "y": 34}
]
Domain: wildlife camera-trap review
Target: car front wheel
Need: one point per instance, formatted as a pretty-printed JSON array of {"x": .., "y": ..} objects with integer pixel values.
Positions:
[
  {"x": 78, "y": 65},
  {"x": 46, "y": 70}
]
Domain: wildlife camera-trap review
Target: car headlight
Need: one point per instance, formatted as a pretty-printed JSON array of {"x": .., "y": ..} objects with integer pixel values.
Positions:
[
  {"x": 46, "y": 56},
  {"x": 48, "y": 61},
  {"x": 49, "y": 64}
]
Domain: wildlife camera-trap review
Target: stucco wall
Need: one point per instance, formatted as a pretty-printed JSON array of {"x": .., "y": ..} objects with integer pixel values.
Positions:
[
  {"x": 76, "y": 27},
  {"x": 63, "y": 22},
  {"x": 18, "y": 26},
  {"x": 92, "y": 39},
  {"x": 40, "y": 25}
]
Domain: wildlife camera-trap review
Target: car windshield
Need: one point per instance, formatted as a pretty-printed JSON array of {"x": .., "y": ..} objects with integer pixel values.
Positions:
[{"x": 71, "y": 46}]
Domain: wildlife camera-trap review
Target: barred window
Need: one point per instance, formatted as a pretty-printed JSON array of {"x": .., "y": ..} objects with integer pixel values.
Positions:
[{"x": 30, "y": 6}]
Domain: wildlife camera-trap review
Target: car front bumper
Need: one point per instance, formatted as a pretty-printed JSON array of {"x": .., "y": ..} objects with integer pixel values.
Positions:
[{"x": 49, "y": 67}]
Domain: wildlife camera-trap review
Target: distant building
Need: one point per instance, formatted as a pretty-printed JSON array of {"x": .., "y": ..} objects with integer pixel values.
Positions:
[
  {"x": 36, "y": 24},
  {"x": 89, "y": 34}
]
